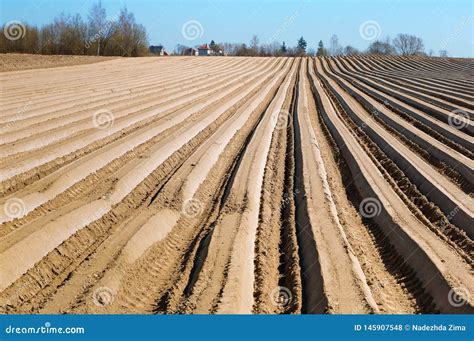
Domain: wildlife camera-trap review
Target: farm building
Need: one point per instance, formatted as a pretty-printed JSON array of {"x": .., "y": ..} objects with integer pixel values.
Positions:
[
  {"x": 204, "y": 50},
  {"x": 158, "y": 50},
  {"x": 191, "y": 51}
]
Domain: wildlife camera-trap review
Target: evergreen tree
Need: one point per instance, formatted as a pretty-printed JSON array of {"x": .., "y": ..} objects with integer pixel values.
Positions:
[
  {"x": 301, "y": 47},
  {"x": 321, "y": 50}
]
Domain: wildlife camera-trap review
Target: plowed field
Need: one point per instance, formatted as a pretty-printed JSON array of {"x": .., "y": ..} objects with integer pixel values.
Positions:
[{"x": 238, "y": 185}]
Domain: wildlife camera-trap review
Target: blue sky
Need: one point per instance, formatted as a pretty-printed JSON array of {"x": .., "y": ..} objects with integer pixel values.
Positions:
[{"x": 441, "y": 23}]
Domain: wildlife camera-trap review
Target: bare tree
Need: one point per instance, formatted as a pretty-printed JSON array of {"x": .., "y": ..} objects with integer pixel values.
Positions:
[
  {"x": 79, "y": 32},
  {"x": 31, "y": 40},
  {"x": 230, "y": 48},
  {"x": 408, "y": 45},
  {"x": 443, "y": 53},
  {"x": 243, "y": 50},
  {"x": 381, "y": 47},
  {"x": 350, "y": 51},
  {"x": 270, "y": 49},
  {"x": 334, "y": 48},
  {"x": 71, "y": 35},
  {"x": 254, "y": 45},
  {"x": 97, "y": 23},
  {"x": 27, "y": 38},
  {"x": 129, "y": 38},
  {"x": 180, "y": 49}
]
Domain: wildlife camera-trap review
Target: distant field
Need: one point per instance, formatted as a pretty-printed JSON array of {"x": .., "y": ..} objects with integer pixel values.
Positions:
[
  {"x": 16, "y": 61},
  {"x": 236, "y": 185}
]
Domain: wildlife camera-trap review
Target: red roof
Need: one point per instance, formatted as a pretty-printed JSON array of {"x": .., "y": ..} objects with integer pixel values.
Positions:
[{"x": 204, "y": 47}]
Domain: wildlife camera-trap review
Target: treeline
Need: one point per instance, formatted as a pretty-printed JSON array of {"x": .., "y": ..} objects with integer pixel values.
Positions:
[
  {"x": 120, "y": 35},
  {"x": 402, "y": 44},
  {"x": 254, "y": 48},
  {"x": 266, "y": 49}
]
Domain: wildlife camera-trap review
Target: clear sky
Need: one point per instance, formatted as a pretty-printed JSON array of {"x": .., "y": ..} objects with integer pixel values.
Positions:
[{"x": 443, "y": 24}]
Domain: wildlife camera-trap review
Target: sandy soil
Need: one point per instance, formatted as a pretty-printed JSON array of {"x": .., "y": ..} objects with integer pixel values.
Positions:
[
  {"x": 16, "y": 61},
  {"x": 236, "y": 185}
]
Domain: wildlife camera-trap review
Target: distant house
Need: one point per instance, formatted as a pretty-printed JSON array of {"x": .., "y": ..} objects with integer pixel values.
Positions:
[
  {"x": 204, "y": 50},
  {"x": 158, "y": 50},
  {"x": 220, "y": 52},
  {"x": 191, "y": 51}
]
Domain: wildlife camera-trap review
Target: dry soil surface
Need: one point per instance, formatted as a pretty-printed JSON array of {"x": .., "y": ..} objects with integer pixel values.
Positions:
[{"x": 236, "y": 185}]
